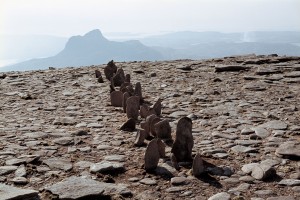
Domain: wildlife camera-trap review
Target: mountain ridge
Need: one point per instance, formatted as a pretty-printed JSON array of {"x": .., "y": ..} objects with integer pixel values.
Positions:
[{"x": 90, "y": 49}]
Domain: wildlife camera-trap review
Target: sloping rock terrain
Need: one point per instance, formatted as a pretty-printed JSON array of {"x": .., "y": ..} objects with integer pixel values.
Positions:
[{"x": 61, "y": 137}]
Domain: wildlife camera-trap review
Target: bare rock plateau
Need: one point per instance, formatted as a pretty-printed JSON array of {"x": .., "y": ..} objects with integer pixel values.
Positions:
[{"x": 63, "y": 137}]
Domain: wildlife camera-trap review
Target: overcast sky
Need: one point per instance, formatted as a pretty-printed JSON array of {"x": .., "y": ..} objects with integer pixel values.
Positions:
[{"x": 76, "y": 17}]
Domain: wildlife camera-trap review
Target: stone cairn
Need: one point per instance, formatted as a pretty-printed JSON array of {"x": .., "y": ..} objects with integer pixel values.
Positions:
[{"x": 152, "y": 126}]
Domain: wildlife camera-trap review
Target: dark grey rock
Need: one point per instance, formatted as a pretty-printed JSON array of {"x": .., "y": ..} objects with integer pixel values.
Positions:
[
  {"x": 152, "y": 155},
  {"x": 163, "y": 129},
  {"x": 129, "y": 125},
  {"x": 110, "y": 70},
  {"x": 198, "y": 165},
  {"x": 132, "y": 107},
  {"x": 119, "y": 77},
  {"x": 184, "y": 142},
  {"x": 116, "y": 98}
]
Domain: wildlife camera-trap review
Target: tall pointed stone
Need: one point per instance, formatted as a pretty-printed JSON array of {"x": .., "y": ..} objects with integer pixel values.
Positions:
[
  {"x": 129, "y": 125},
  {"x": 124, "y": 102},
  {"x": 140, "y": 138},
  {"x": 138, "y": 90},
  {"x": 147, "y": 125},
  {"x": 152, "y": 126},
  {"x": 127, "y": 78},
  {"x": 132, "y": 107},
  {"x": 183, "y": 145},
  {"x": 119, "y": 77},
  {"x": 157, "y": 107},
  {"x": 110, "y": 70},
  {"x": 161, "y": 148},
  {"x": 198, "y": 165},
  {"x": 152, "y": 155}
]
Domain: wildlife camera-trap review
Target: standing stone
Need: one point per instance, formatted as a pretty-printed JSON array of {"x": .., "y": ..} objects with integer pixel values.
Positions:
[
  {"x": 125, "y": 97},
  {"x": 140, "y": 138},
  {"x": 110, "y": 70},
  {"x": 116, "y": 98},
  {"x": 112, "y": 85},
  {"x": 183, "y": 145},
  {"x": 132, "y": 107},
  {"x": 157, "y": 107},
  {"x": 147, "y": 125},
  {"x": 119, "y": 77},
  {"x": 152, "y": 155},
  {"x": 138, "y": 90},
  {"x": 144, "y": 110},
  {"x": 129, "y": 125},
  {"x": 161, "y": 148},
  {"x": 152, "y": 126},
  {"x": 163, "y": 129},
  {"x": 198, "y": 166},
  {"x": 98, "y": 73},
  {"x": 127, "y": 78}
]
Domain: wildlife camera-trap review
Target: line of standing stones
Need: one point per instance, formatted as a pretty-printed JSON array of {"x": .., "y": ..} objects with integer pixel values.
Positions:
[{"x": 152, "y": 127}]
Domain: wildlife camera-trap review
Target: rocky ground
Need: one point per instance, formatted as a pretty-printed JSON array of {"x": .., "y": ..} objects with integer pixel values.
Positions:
[{"x": 60, "y": 136}]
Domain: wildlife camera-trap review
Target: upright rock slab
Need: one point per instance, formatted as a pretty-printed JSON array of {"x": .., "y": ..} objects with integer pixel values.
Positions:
[
  {"x": 110, "y": 70},
  {"x": 132, "y": 107},
  {"x": 119, "y": 77},
  {"x": 198, "y": 166},
  {"x": 152, "y": 155},
  {"x": 124, "y": 101},
  {"x": 163, "y": 130},
  {"x": 157, "y": 107},
  {"x": 183, "y": 145},
  {"x": 138, "y": 90},
  {"x": 116, "y": 98}
]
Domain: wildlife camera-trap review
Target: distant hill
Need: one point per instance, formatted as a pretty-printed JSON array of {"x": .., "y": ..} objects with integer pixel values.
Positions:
[
  {"x": 90, "y": 49},
  {"x": 199, "y": 45},
  {"x": 93, "y": 48}
]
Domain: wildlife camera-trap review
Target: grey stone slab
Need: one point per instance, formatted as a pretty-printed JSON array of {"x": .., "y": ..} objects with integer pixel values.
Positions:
[
  {"x": 13, "y": 193},
  {"x": 77, "y": 188}
]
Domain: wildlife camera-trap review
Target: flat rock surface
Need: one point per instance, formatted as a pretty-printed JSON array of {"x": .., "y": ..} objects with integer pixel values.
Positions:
[
  {"x": 8, "y": 192},
  {"x": 244, "y": 110}
]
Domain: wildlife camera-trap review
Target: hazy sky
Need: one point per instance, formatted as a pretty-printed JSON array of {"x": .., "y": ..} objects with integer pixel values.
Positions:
[{"x": 76, "y": 17}]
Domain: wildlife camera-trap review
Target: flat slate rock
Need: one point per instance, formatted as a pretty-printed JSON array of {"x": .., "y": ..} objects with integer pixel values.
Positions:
[
  {"x": 106, "y": 167},
  {"x": 13, "y": 193},
  {"x": 230, "y": 68},
  {"x": 78, "y": 188},
  {"x": 275, "y": 124},
  {"x": 289, "y": 149},
  {"x": 58, "y": 163},
  {"x": 220, "y": 196},
  {"x": 289, "y": 182}
]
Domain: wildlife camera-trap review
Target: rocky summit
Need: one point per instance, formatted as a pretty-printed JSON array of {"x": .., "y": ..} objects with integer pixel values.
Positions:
[{"x": 65, "y": 134}]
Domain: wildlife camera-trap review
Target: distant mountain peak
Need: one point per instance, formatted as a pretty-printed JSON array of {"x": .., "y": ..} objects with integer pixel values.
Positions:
[{"x": 95, "y": 34}]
